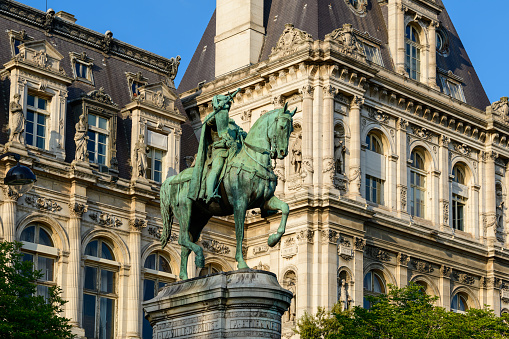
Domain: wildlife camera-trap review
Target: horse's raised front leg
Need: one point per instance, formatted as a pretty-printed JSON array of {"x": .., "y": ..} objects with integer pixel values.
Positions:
[
  {"x": 275, "y": 204},
  {"x": 239, "y": 213}
]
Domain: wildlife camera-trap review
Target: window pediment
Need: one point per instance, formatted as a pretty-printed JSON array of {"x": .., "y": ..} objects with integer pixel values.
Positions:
[{"x": 42, "y": 54}]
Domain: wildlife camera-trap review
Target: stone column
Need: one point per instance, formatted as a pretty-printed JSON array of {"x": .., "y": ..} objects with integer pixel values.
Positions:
[
  {"x": 435, "y": 203},
  {"x": 432, "y": 55},
  {"x": 358, "y": 271},
  {"x": 9, "y": 213},
  {"x": 76, "y": 211},
  {"x": 305, "y": 284},
  {"x": 445, "y": 287},
  {"x": 402, "y": 181},
  {"x": 134, "y": 293},
  {"x": 493, "y": 293},
  {"x": 490, "y": 215},
  {"x": 355, "y": 146},
  {"x": 402, "y": 270},
  {"x": 329, "y": 266},
  {"x": 328, "y": 135},
  {"x": 443, "y": 163},
  {"x": 474, "y": 222},
  {"x": 397, "y": 34},
  {"x": 307, "y": 134}
]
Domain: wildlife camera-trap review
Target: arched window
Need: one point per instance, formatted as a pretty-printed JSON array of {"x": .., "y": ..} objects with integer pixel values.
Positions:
[
  {"x": 417, "y": 185},
  {"x": 375, "y": 168},
  {"x": 210, "y": 269},
  {"x": 459, "y": 197},
  {"x": 38, "y": 248},
  {"x": 459, "y": 303},
  {"x": 412, "y": 53},
  {"x": 157, "y": 273},
  {"x": 99, "y": 290},
  {"x": 374, "y": 284}
]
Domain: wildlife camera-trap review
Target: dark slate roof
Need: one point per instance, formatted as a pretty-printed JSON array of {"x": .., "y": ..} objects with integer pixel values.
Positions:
[{"x": 318, "y": 19}]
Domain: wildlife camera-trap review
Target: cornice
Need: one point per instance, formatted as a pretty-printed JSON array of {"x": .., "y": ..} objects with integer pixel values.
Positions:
[
  {"x": 34, "y": 17},
  {"x": 28, "y": 66}
]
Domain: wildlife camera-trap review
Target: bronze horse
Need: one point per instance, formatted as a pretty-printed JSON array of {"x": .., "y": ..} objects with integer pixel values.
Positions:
[{"x": 249, "y": 182}]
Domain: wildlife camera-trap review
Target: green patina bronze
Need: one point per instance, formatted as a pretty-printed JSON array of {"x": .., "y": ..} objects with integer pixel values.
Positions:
[{"x": 232, "y": 174}]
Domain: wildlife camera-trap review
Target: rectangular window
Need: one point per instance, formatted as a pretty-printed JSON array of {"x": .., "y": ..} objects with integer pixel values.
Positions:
[
  {"x": 35, "y": 129},
  {"x": 417, "y": 194},
  {"x": 45, "y": 265},
  {"x": 134, "y": 87},
  {"x": 373, "y": 54},
  {"x": 97, "y": 139},
  {"x": 451, "y": 88},
  {"x": 374, "y": 190},
  {"x": 155, "y": 164},
  {"x": 82, "y": 70},
  {"x": 458, "y": 212},
  {"x": 16, "y": 44}
]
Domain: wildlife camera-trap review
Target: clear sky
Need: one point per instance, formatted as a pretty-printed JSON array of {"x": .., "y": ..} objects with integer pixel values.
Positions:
[{"x": 174, "y": 27}]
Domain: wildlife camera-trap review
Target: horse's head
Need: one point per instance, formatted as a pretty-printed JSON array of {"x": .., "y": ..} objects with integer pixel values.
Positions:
[{"x": 282, "y": 128}]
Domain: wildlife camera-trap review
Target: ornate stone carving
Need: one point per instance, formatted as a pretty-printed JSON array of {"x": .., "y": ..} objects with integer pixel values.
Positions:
[
  {"x": 215, "y": 246},
  {"x": 339, "y": 149},
  {"x": 278, "y": 101},
  {"x": 106, "y": 42},
  {"x": 379, "y": 116},
  {"x": 491, "y": 282},
  {"x": 348, "y": 43},
  {"x": 359, "y": 244},
  {"x": 422, "y": 266},
  {"x": 445, "y": 271},
  {"x": 330, "y": 236},
  {"x": 296, "y": 157},
  {"x": 173, "y": 67},
  {"x": 444, "y": 141},
  {"x": 81, "y": 139},
  {"x": 77, "y": 209},
  {"x": 329, "y": 91},
  {"x": 246, "y": 116},
  {"x": 403, "y": 259},
  {"x": 9, "y": 194},
  {"x": 445, "y": 207},
  {"x": 307, "y": 91},
  {"x": 48, "y": 21},
  {"x": 16, "y": 121},
  {"x": 463, "y": 149},
  {"x": 100, "y": 96},
  {"x": 402, "y": 124},
  {"x": 341, "y": 183},
  {"x": 355, "y": 177},
  {"x": 290, "y": 41},
  {"x": 464, "y": 278},
  {"x": 329, "y": 167},
  {"x": 260, "y": 249},
  {"x": 305, "y": 236},
  {"x": 356, "y": 102},
  {"x": 345, "y": 250},
  {"x": 43, "y": 204},
  {"x": 262, "y": 267},
  {"x": 140, "y": 156},
  {"x": 105, "y": 219},
  {"x": 485, "y": 156},
  {"x": 422, "y": 133},
  {"x": 377, "y": 253},
  {"x": 501, "y": 108},
  {"x": 138, "y": 224},
  {"x": 307, "y": 166},
  {"x": 403, "y": 197}
]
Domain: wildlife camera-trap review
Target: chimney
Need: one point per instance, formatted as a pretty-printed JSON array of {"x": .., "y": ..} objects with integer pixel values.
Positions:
[
  {"x": 239, "y": 34},
  {"x": 66, "y": 16}
]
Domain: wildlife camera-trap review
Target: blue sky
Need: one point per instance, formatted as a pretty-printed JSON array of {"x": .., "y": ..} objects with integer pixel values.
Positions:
[{"x": 174, "y": 27}]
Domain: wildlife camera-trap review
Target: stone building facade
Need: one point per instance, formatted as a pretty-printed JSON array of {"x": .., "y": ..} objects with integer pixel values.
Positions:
[
  {"x": 397, "y": 164},
  {"x": 97, "y": 120}
]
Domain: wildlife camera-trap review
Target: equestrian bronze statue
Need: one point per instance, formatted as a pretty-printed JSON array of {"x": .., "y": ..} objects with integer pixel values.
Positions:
[{"x": 232, "y": 173}]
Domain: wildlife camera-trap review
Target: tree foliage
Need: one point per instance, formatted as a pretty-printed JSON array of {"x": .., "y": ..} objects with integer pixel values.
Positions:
[
  {"x": 404, "y": 313},
  {"x": 22, "y": 313}
]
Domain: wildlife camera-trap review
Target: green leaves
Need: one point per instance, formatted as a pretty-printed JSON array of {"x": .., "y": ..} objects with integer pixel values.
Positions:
[
  {"x": 404, "y": 313},
  {"x": 22, "y": 314}
]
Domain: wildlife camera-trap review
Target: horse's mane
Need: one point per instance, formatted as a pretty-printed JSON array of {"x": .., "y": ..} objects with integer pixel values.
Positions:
[{"x": 263, "y": 118}]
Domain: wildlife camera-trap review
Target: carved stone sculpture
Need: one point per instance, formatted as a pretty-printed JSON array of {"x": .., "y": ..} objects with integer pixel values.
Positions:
[
  {"x": 290, "y": 283},
  {"x": 296, "y": 160},
  {"x": 344, "y": 295},
  {"x": 81, "y": 138},
  {"x": 17, "y": 121},
  {"x": 173, "y": 67},
  {"x": 338, "y": 152},
  {"x": 501, "y": 108},
  {"x": 140, "y": 153}
]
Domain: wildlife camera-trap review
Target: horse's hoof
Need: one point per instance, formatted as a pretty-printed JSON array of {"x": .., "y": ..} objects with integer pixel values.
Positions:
[
  {"x": 241, "y": 265},
  {"x": 183, "y": 276},
  {"x": 199, "y": 261},
  {"x": 273, "y": 239}
]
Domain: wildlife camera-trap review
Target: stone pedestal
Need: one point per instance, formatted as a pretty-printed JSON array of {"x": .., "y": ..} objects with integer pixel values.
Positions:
[{"x": 239, "y": 304}]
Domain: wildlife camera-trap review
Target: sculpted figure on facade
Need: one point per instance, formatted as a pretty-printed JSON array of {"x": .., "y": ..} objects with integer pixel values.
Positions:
[
  {"x": 338, "y": 152},
  {"x": 290, "y": 283},
  {"x": 344, "y": 295},
  {"x": 81, "y": 138},
  {"x": 296, "y": 160},
  {"x": 173, "y": 67},
  {"x": 17, "y": 121},
  {"x": 501, "y": 108},
  {"x": 140, "y": 153}
]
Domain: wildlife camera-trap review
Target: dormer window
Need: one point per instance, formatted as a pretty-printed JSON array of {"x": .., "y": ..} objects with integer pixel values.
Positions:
[
  {"x": 97, "y": 139},
  {"x": 18, "y": 38},
  {"x": 450, "y": 84},
  {"x": 372, "y": 54},
  {"x": 412, "y": 53},
  {"x": 135, "y": 81},
  {"x": 37, "y": 115},
  {"x": 82, "y": 67}
]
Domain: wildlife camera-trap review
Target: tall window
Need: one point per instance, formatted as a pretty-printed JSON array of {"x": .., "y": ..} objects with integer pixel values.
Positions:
[
  {"x": 417, "y": 185},
  {"x": 37, "y": 114},
  {"x": 99, "y": 291},
  {"x": 97, "y": 139},
  {"x": 459, "y": 198},
  {"x": 412, "y": 53},
  {"x": 38, "y": 248},
  {"x": 135, "y": 86},
  {"x": 82, "y": 70},
  {"x": 459, "y": 303},
  {"x": 157, "y": 270},
  {"x": 375, "y": 169},
  {"x": 374, "y": 284},
  {"x": 155, "y": 164}
]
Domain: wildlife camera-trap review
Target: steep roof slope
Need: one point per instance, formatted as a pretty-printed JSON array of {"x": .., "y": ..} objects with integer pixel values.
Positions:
[{"x": 321, "y": 17}]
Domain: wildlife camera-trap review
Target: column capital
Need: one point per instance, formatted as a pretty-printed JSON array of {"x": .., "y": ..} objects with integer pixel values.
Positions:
[
  {"x": 359, "y": 244},
  {"x": 76, "y": 209},
  {"x": 10, "y": 195},
  {"x": 307, "y": 91},
  {"x": 489, "y": 156},
  {"x": 329, "y": 91},
  {"x": 137, "y": 224},
  {"x": 444, "y": 141},
  {"x": 402, "y": 124},
  {"x": 357, "y": 102}
]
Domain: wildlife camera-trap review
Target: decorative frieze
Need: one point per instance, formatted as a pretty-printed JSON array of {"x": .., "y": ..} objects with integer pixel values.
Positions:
[
  {"x": 215, "y": 246},
  {"x": 462, "y": 149},
  {"x": 306, "y": 236},
  {"x": 359, "y": 244},
  {"x": 330, "y": 236},
  {"x": 43, "y": 204},
  {"x": 76, "y": 209},
  {"x": 402, "y": 124},
  {"x": 403, "y": 259},
  {"x": 445, "y": 271},
  {"x": 9, "y": 194},
  {"x": 138, "y": 224},
  {"x": 262, "y": 267},
  {"x": 377, "y": 253},
  {"x": 379, "y": 116},
  {"x": 106, "y": 219},
  {"x": 422, "y": 266},
  {"x": 422, "y": 133},
  {"x": 463, "y": 278},
  {"x": 491, "y": 282}
]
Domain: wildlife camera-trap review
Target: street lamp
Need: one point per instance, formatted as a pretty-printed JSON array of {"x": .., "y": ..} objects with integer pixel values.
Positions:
[{"x": 20, "y": 178}]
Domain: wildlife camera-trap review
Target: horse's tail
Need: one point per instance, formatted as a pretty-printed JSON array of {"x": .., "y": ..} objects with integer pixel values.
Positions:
[{"x": 166, "y": 213}]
